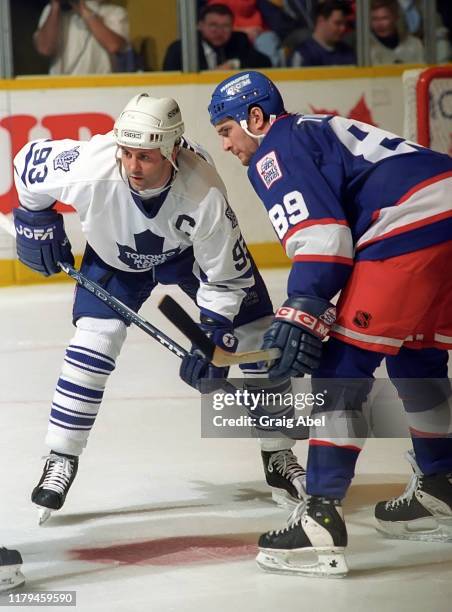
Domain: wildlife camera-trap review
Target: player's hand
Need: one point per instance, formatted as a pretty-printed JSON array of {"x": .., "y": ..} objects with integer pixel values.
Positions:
[
  {"x": 298, "y": 329},
  {"x": 41, "y": 240},
  {"x": 195, "y": 368}
]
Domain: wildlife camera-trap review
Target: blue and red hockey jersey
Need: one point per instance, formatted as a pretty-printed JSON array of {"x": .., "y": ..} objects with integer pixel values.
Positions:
[{"x": 337, "y": 191}]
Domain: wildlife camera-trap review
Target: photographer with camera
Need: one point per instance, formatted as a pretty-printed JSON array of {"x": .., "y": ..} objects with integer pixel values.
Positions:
[{"x": 82, "y": 36}]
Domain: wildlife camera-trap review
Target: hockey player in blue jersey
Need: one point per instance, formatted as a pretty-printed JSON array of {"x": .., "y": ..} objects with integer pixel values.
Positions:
[
  {"x": 153, "y": 210},
  {"x": 365, "y": 212}
]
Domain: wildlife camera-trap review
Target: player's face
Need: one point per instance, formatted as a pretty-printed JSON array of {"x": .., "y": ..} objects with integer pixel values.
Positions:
[
  {"x": 145, "y": 168},
  {"x": 236, "y": 140}
]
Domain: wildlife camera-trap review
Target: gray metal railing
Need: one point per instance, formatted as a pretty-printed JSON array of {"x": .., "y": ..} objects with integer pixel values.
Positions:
[{"x": 6, "y": 47}]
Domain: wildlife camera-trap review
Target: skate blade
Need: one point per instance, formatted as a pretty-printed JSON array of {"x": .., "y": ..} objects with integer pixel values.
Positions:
[
  {"x": 43, "y": 515},
  {"x": 330, "y": 562},
  {"x": 11, "y": 578},
  {"x": 283, "y": 499},
  {"x": 422, "y": 530}
]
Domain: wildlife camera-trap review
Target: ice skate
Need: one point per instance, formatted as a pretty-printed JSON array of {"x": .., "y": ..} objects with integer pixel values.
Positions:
[
  {"x": 57, "y": 477},
  {"x": 422, "y": 512},
  {"x": 10, "y": 565},
  {"x": 285, "y": 477},
  {"x": 312, "y": 544}
]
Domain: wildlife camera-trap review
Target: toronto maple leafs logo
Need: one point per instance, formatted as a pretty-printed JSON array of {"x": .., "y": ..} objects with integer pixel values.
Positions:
[
  {"x": 65, "y": 159},
  {"x": 148, "y": 253}
]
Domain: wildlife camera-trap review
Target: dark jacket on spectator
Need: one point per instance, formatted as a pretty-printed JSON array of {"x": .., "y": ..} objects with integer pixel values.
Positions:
[
  {"x": 238, "y": 47},
  {"x": 314, "y": 54}
]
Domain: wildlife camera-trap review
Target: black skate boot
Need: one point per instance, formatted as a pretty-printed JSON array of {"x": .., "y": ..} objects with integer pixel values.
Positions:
[
  {"x": 10, "y": 565},
  {"x": 57, "y": 477},
  {"x": 312, "y": 544},
  {"x": 422, "y": 512},
  {"x": 285, "y": 476}
]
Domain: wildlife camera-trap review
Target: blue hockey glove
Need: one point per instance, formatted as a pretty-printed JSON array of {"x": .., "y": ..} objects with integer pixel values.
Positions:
[
  {"x": 298, "y": 329},
  {"x": 41, "y": 240},
  {"x": 195, "y": 368}
]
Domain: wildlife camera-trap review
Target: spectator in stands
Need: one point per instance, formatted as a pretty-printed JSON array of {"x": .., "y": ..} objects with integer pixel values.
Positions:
[
  {"x": 219, "y": 47},
  {"x": 301, "y": 10},
  {"x": 82, "y": 36},
  {"x": 444, "y": 31},
  {"x": 326, "y": 46},
  {"x": 411, "y": 13},
  {"x": 249, "y": 20},
  {"x": 444, "y": 8},
  {"x": 387, "y": 44},
  {"x": 412, "y": 18}
]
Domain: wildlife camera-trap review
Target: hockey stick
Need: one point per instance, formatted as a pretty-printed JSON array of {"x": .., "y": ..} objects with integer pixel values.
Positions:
[
  {"x": 126, "y": 313},
  {"x": 216, "y": 355},
  {"x": 171, "y": 309}
]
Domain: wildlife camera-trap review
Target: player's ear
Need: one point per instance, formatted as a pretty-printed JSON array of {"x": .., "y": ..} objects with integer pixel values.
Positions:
[{"x": 256, "y": 119}]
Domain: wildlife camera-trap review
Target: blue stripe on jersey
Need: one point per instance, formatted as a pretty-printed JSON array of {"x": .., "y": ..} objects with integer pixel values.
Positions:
[
  {"x": 387, "y": 183},
  {"x": 27, "y": 161},
  {"x": 322, "y": 279},
  {"x": 247, "y": 274},
  {"x": 421, "y": 238},
  {"x": 357, "y": 133}
]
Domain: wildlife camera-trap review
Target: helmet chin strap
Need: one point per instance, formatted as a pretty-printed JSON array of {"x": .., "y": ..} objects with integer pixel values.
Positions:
[
  {"x": 258, "y": 137},
  {"x": 146, "y": 193},
  {"x": 173, "y": 163}
]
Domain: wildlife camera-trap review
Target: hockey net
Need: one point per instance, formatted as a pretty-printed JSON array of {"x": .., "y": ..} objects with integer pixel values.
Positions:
[{"x": 428, "y": 107}]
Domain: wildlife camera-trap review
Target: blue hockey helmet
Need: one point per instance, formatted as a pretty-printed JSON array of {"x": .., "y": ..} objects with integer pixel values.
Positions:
[{"x": 233, "y": 97}]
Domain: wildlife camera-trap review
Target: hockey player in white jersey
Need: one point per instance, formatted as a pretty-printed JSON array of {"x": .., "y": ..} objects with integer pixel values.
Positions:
[{"x": 152, "y": 211}]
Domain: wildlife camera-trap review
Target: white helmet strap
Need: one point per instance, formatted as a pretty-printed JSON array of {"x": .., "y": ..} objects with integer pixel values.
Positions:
[{"x": 258, "y": 137}]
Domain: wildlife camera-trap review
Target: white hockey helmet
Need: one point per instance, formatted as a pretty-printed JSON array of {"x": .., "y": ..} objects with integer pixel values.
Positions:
[{"x": 150, "y": 123}]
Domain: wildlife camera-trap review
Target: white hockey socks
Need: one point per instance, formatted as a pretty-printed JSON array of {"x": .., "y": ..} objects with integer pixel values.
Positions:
[{"x": 89, "y": 360}]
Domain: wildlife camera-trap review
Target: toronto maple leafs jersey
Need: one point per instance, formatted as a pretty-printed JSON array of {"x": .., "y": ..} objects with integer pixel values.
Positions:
[
  {"x": 338, "y": 190},
  {"x": 134, "y": 235}
]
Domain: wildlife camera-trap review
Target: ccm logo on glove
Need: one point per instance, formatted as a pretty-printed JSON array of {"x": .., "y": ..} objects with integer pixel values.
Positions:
[
  {"x": 320, "y": 326},
  {"x": 35, "y": 234}
]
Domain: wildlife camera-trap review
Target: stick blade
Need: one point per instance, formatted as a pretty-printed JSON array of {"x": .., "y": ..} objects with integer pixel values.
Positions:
[{"x": 184, "y": 323}]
